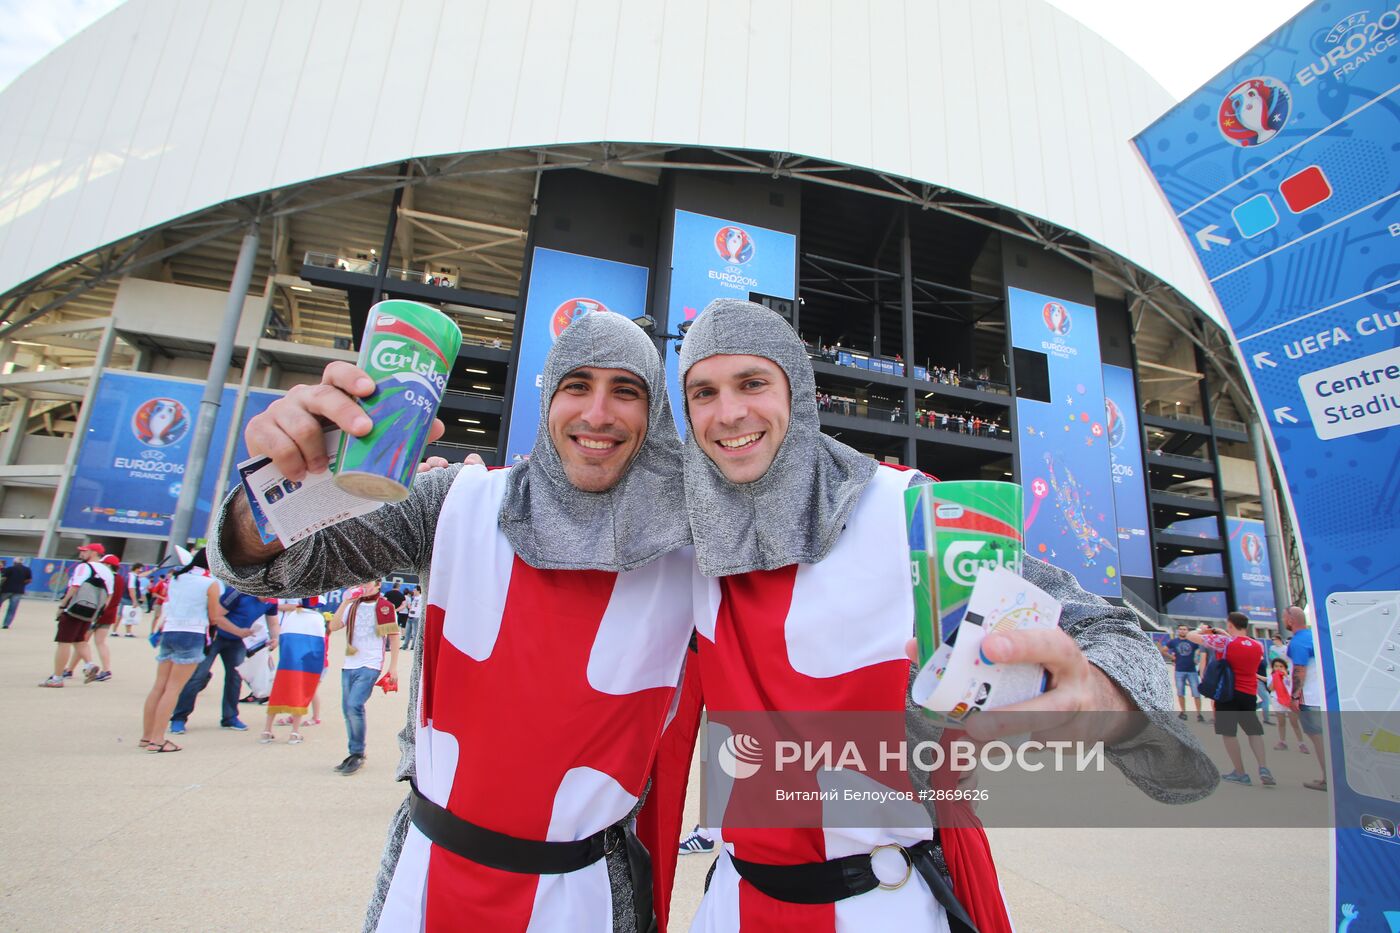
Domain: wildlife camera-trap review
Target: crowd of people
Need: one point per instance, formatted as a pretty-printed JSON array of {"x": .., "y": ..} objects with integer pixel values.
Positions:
[
  {"x": 276, "y": 649},
  {"x": 1242, "y": 678},
  {"x": 959, "y": 422}
]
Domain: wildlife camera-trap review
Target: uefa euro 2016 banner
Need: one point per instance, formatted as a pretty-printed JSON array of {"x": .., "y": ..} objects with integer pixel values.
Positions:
[
  {"x": 1129, "y": 478},
  {"x": 716, "y": 258},
  {"x": 563, "y": 286},
  {"x": 132, "y": 461},
  {"x": 1063, "y": 438},
  {"x": 1250, "y": 572},
  {"x": 1283, "y": 172}
]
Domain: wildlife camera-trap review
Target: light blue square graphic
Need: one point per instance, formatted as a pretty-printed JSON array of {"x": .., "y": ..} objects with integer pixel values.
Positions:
[{"x": 1255, "y": 216}]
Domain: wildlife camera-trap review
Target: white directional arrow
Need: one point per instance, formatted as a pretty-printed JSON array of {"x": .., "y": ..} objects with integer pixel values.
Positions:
[
  {"x": 1261, "y": 359},
  {"x": 1207, "y": 235},
  {"x": 1284, "y": 414}
]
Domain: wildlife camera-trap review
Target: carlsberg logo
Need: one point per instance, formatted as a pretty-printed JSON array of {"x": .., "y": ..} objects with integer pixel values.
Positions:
[
  {"x": 961, "y": 563},
  {"x": 389, "y": 356}
]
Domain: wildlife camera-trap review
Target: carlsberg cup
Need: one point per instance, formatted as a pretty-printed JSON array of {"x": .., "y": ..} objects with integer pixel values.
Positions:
[{"x": 408, "y": 350}]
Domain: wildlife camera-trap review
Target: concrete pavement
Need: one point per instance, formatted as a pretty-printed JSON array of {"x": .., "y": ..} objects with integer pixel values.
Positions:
[{"x": 232, "y": 835}]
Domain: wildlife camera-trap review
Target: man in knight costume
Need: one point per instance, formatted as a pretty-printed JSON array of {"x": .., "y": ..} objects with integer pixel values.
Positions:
[
  {"x": 804, "y": 605},
  {"x": 557, "y": 621}
]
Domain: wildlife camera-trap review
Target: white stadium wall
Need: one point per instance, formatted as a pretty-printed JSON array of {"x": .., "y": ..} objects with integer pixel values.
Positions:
[{"x": 167, "y": 107}]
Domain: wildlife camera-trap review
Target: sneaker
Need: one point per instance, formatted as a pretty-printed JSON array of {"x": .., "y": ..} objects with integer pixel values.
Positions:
[
  {"x": 1200, "y": 718},
  {"x": 1236, "y": 777},
  {"x": 177, "y": 727},
  {"x": 51, "y": 682},
  {"x": 67, "y": 674},
  {"x": 340, "y": 768},
  {"x": 1303, "y": 747},
  {"x": 696, "y": 843},
  {"x": 90, "y": 673},
  {"x": 237, "y": 725},
  {"x": 1266, "y": 777},
  {"x": 1180, "y": 715},
  {"x": 1280, "y": 746},
  {"x": 103, "y": 677},
  {"x": 351, "y": 764}
]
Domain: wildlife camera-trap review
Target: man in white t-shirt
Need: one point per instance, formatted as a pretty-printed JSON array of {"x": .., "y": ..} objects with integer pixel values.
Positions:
[
  {"x": 371, "y": 634},
  {"x": 73, "y": 632}
]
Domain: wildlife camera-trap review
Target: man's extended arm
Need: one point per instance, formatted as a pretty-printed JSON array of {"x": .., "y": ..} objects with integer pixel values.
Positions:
[
  {"x": 1163, "y": 759},
  {"x": 395, "y": 536}
]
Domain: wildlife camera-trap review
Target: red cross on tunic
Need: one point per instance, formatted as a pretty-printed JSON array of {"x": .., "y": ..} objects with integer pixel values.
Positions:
[
  {"x": 522, "y": 719},
  {"x": 747, "y": 668}
]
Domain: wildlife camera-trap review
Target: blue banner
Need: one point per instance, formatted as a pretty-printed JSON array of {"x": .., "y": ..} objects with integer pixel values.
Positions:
[
  {"x": 1064, "y": 443},
  {"x": 714, "y": 258},
  {"x": 131, "y": 462},
  {"x": 1250, "y": 570},
  {"x": 1129, "y": 477},
  {"x": 1284, "y": 172},
  {"x": 563, "y": 286}
]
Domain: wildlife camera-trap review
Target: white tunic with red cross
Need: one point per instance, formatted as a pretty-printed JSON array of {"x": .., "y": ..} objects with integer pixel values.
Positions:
[
  {"x": 817, "y": 637},
  {"x": 542, "y": 698}
]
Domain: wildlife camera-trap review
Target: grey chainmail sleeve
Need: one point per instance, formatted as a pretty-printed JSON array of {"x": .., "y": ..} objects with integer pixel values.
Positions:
[
  {"x": 1164, "y": 759},
  {"x": 397, "y": 536}
]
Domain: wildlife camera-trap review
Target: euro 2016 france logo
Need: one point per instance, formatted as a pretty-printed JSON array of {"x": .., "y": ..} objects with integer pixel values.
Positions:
[
  {"x": 1115, "y": 422},
  {"x": 734, "y": 245},
  {"x": 160, "y": 422},
  {"x": 1056, "y": 317},
  {"x": 571, "y": 311},
  {"x": 1254, "y": 111},
  {"x": 1251, "y": 548}
]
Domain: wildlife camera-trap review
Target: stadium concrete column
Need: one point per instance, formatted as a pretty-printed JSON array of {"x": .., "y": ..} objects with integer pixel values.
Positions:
[
  {"x": 214, "y": 389},
  {"x": 65, "y": 482},
  {"x": 1273, "y": 535},
  {"x": 250, "y": 363},
  {"x": 906, "y": 283}
]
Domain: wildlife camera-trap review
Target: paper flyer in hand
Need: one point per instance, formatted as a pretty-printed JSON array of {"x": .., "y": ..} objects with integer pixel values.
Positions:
[
  {"x": 959, "y": 680},
  {"x": 289, "y": 511}
]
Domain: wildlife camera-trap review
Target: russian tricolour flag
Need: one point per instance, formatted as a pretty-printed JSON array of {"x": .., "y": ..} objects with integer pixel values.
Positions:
[{"x": 302, "y": 658}]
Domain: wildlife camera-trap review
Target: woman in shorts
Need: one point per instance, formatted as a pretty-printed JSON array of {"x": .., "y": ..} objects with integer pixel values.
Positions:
[{"x": 191, "y": 606}]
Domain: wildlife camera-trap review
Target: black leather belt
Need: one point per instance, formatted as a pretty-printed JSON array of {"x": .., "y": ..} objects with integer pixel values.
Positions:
[
  {"x": 508, "y": 853},
  {"x": 838, "y": 879}
]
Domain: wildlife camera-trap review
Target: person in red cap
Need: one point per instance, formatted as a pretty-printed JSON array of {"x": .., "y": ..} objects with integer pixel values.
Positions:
[
  {"x": 73, "y": 626},
  {"x": 107, "y": 621}
]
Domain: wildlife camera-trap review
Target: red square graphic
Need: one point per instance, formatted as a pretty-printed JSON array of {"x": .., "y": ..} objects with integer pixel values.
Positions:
[{"x": 1305, "y": 189}]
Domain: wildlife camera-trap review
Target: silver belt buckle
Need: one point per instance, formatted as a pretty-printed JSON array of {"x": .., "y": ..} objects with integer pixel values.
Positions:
[{"x": 908, "y": 866}]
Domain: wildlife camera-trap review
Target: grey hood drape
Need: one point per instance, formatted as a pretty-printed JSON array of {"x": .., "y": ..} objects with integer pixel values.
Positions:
[
  {"x": 795, "y": 511},
  {"x": 552, "y": 524}
]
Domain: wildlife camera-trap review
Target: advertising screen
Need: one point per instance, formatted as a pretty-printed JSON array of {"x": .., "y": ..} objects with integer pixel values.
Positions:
[
  {"x": 1129, "y": 478},
  {"x": 716, "y": 258},
  {"x": 132, "y": 461},
  {"x": 563, "y": 286},
  {"x": 1063, "y": 438}
]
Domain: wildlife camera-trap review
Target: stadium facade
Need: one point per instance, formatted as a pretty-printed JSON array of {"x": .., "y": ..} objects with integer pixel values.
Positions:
[{"x": 940, "y": 196}]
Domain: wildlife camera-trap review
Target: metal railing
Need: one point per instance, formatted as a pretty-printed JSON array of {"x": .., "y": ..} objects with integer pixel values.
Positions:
[
  {"x": 854, "y": 408},
  {"x": 472, "y": 448},
  {"x": 955, "y": 424},
  {"x": 371, "y": 267},
  {"x": 485, "y": 395},
  {"x": 1232, "y": 425}
]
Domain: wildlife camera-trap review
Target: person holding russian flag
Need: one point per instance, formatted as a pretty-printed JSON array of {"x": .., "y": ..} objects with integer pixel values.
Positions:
[{"x": 301, "y": 658}]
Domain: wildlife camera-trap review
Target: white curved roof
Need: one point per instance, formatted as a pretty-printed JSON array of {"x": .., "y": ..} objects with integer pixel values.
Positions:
[{"x": 163, "y": 108}]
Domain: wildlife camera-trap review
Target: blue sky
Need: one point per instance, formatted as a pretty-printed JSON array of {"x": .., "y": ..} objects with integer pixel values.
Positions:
[{"x": 1182, "y": 43}]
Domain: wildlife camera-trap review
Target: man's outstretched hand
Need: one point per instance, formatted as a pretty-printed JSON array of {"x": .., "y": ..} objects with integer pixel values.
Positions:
[
  {"x": 290, "y": 432},
  {"x": 1081, "y": 703}
]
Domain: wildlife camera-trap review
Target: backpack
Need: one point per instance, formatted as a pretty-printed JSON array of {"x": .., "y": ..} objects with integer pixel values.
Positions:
[
  {"x": 88, "y": 600},
  {"x": 1219, "y": 681}
]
